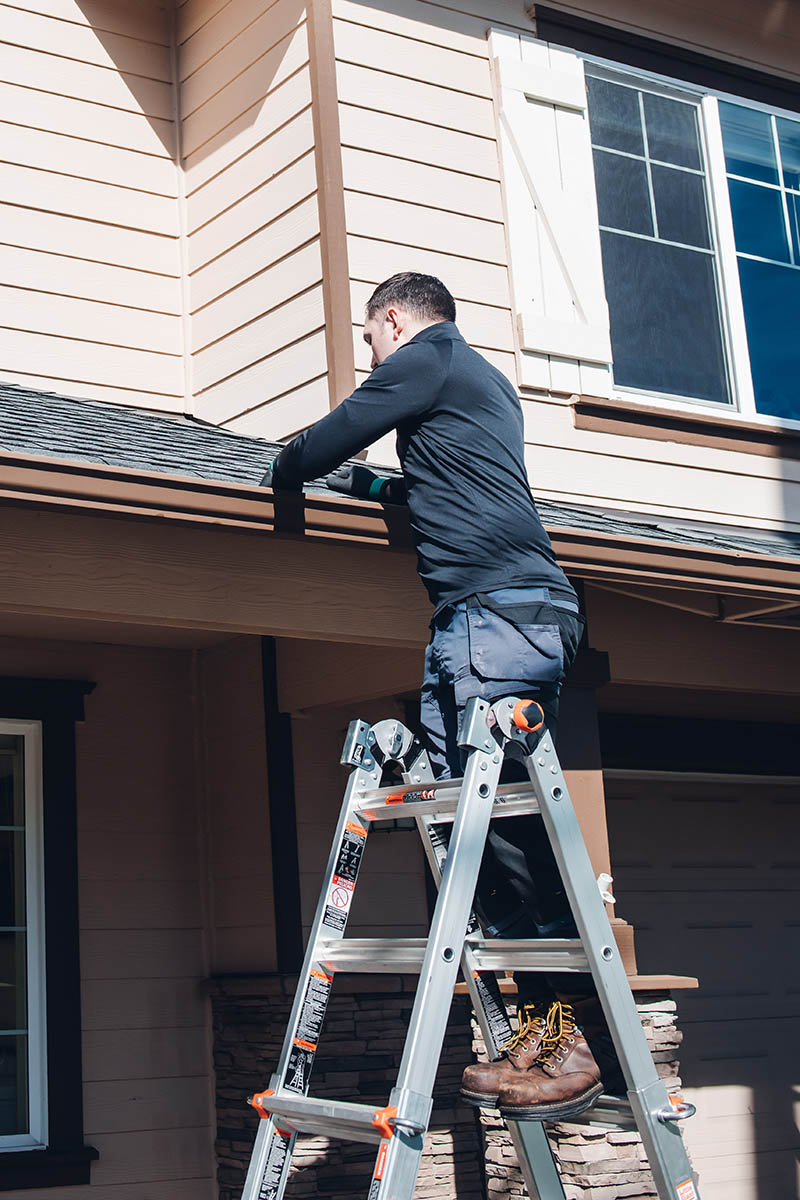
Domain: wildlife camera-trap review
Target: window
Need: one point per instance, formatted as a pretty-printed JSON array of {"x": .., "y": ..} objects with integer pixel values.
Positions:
[
  {"x": 701, "y": 250},
  {"x": 762, "y": 161},
  {"x": 41, "y": 1092},
  {"x": 23, "y": 1081},
  {"x": 659, "y": 259}
]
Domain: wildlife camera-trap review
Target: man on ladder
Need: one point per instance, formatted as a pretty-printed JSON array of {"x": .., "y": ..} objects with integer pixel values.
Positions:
[{"x": 505, "y": 621}]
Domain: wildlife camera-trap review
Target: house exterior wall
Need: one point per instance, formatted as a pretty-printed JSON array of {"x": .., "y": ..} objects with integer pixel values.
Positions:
[
  {"x": 147, "y": 1078},
  {"x": 255, "y": 298},
  {"x": 90, "y": 299}
]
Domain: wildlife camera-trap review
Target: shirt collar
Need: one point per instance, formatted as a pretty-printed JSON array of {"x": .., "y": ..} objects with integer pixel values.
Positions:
[{"x": 441, "y": 331}]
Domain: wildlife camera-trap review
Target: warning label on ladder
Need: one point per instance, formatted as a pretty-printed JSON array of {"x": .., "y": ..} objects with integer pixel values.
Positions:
[
  {"x": 309, "y": 1027},
  {"x": 340, "y": 894},
  {"x": 273, "y": 1170},
  {"x": 686, "y": 1191},
  {"x": 491, "y": 1000}
]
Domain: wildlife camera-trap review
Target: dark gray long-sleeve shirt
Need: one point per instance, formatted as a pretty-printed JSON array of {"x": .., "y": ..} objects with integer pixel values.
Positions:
[{"x": 460, "y": 444}]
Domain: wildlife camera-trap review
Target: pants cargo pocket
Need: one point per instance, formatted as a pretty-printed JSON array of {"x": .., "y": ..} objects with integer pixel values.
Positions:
[{"x": 502, "y": 651}]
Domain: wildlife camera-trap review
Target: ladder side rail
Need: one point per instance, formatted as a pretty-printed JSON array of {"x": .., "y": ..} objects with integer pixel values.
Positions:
[
  {"x": 646, "y": 1090},
  {"x": 399, "y": 1157},
  {"x": 533, "y": 1149},
  {"x": 269, "y": 1164}
]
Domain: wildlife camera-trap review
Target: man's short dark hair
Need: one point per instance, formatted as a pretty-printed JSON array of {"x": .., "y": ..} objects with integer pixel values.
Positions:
[{"x": 423, "y": 296}]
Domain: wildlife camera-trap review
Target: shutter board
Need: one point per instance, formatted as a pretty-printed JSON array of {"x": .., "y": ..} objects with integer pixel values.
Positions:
[{"x": 551, "y": 211}]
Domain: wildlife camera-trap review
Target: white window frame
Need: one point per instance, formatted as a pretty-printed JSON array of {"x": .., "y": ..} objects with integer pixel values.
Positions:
[
  {"x": 36, "y": 1137},
  {"x": 743, "y": 405}
]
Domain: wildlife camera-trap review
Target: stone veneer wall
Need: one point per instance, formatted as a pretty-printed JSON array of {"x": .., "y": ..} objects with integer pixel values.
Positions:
[
  {"x": 468, "y": 1153},
  {"x": 595, "y": 1164}
]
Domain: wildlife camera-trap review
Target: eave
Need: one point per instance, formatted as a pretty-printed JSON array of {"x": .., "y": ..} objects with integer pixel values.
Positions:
[{"x": 62, "y": 485}]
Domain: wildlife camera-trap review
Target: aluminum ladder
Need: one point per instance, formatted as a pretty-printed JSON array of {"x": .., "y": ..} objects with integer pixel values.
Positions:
[{"x": 464, "y": 807}]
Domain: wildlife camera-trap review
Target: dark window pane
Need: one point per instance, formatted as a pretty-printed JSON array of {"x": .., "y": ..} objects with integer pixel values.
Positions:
[
  {"x": 680, "y": 206},
  {"x": 758, "y": 221},
  {"x": 749, "y": 148},
  {"x": 12, "y": 878},
  {"x": 789, "y": 138},
  {"x": 13, "y": 981},
  {"x": 793, "y": 204},
  {"x": 671, "y": 130},
  {"x": 13, "y": 1085},
  {"x": 11, "y": 794},
  {"x": 665, "y": 331},
  {"x": 771, "y": 297},
  {"x": 623, "y": 197},
  {"x": 614, "y": 116}
]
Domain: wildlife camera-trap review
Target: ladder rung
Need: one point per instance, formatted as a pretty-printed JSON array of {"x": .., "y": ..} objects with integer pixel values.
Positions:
[
  {"x": 375, "y": 956},
  {"x": 440, "y": 800},
  {"x": 330, "y": 1118},
  {"x": 609, "y": 1110}
]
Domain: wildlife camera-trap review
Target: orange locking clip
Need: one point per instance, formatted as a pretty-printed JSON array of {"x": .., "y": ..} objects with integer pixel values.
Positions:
[
  {"x": 257, "y": 1101},
  {"x": 381, "y": 1118}
]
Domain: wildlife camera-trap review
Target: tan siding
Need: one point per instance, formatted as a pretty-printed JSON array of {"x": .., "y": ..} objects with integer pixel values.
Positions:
[
  {"x": 89, "y": 220},
  {"x": 145, "y": 1040},
  {"x": 261, "y": 382},
  {"x": 288, "y": 413},
  {"x": 252, "y": 212},
  {"x": 129, "y": 18},
  {"x": 80, "y": 42},
  {"x": 420, "y": 163}
]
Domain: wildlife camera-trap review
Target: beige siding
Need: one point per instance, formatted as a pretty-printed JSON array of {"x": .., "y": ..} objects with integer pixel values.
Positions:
[
  {"x": 90, "y": 301},
  {"x": 420, "y": 161},
  {"x": 255, "y": 275},
  {"x": 146, "y": 1058}
]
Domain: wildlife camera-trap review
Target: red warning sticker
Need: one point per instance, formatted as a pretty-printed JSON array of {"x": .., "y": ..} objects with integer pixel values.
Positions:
[
  {"x": 686, "y": 1191},
  {"x": 381, "y": 1163}
]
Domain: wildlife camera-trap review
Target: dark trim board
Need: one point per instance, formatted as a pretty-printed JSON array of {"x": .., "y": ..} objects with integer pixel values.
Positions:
[
  {"x": 282, "y": 819},
  {"x": 664, "y": 58},
  {"x": 58, "y": 704},
  {"x": 639, "y": 742}
]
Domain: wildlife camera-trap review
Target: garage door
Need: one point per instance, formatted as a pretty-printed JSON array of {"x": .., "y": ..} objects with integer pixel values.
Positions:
[{"x": 707, "y": 868}]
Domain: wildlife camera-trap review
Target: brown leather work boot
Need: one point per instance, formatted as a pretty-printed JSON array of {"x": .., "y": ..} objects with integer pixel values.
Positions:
[
  {"x": 565, "y": 1080},
  {"x": 481, "y": 1082}
]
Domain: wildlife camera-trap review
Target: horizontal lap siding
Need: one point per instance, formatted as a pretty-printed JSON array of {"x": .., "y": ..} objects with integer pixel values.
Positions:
[
  {"x": 145, "y": 1037},
  {"x": 89, "y": 261},
  {"x": 255, "y": 273},
  {"x": 420, "y": 163},
  {"x": 670, "y": 478}
]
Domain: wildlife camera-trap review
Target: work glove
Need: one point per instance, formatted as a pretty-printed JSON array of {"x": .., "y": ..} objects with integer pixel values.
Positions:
[
  {"x": 268, "y": 479},
  {"x": 352, "y": 479}
]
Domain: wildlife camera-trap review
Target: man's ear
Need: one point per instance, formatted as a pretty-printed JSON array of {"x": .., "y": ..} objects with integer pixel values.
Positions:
[{"x": 396, "y": 320}]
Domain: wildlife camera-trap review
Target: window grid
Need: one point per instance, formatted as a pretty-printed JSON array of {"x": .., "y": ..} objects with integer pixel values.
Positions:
[{"x": 727, "y": 255}]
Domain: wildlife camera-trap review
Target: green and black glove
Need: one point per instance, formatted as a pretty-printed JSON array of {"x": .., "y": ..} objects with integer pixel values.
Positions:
[{"x": 353, "y": 479}]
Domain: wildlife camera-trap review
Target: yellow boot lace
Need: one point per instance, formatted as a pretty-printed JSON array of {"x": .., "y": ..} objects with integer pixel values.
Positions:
[
  {"x": 530, "y": 1020},
  {"x": 561, "y": 1030}
]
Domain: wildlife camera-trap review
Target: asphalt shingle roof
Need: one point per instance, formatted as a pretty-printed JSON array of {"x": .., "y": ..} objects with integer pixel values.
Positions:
[{"x": 54, "y": 426}]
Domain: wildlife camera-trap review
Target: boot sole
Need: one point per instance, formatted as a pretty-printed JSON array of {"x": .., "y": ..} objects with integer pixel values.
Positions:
[
  {"x": 480, "y": 1099},
  {"x": 554, "y": 1112}
]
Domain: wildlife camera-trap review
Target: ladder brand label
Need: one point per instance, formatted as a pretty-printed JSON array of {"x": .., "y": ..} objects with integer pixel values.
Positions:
[
  {"x": 276, "y": 1159},
  {"x": 380, "y": 1167},
  {"x": 340, "y": 893},
  {"x": 686, "y": 1191},
  {"x": 309, "y": 1027}
]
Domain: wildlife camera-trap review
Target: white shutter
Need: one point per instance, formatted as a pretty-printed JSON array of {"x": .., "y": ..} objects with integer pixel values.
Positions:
[{"x": 551, "y": 210}]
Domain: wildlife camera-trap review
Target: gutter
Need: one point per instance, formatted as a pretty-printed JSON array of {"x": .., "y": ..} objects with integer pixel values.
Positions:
[{"x": 122, "y": 492}]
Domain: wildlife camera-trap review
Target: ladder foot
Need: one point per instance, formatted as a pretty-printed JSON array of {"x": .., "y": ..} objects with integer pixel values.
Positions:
[{"x": 559, "y": 1111}]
